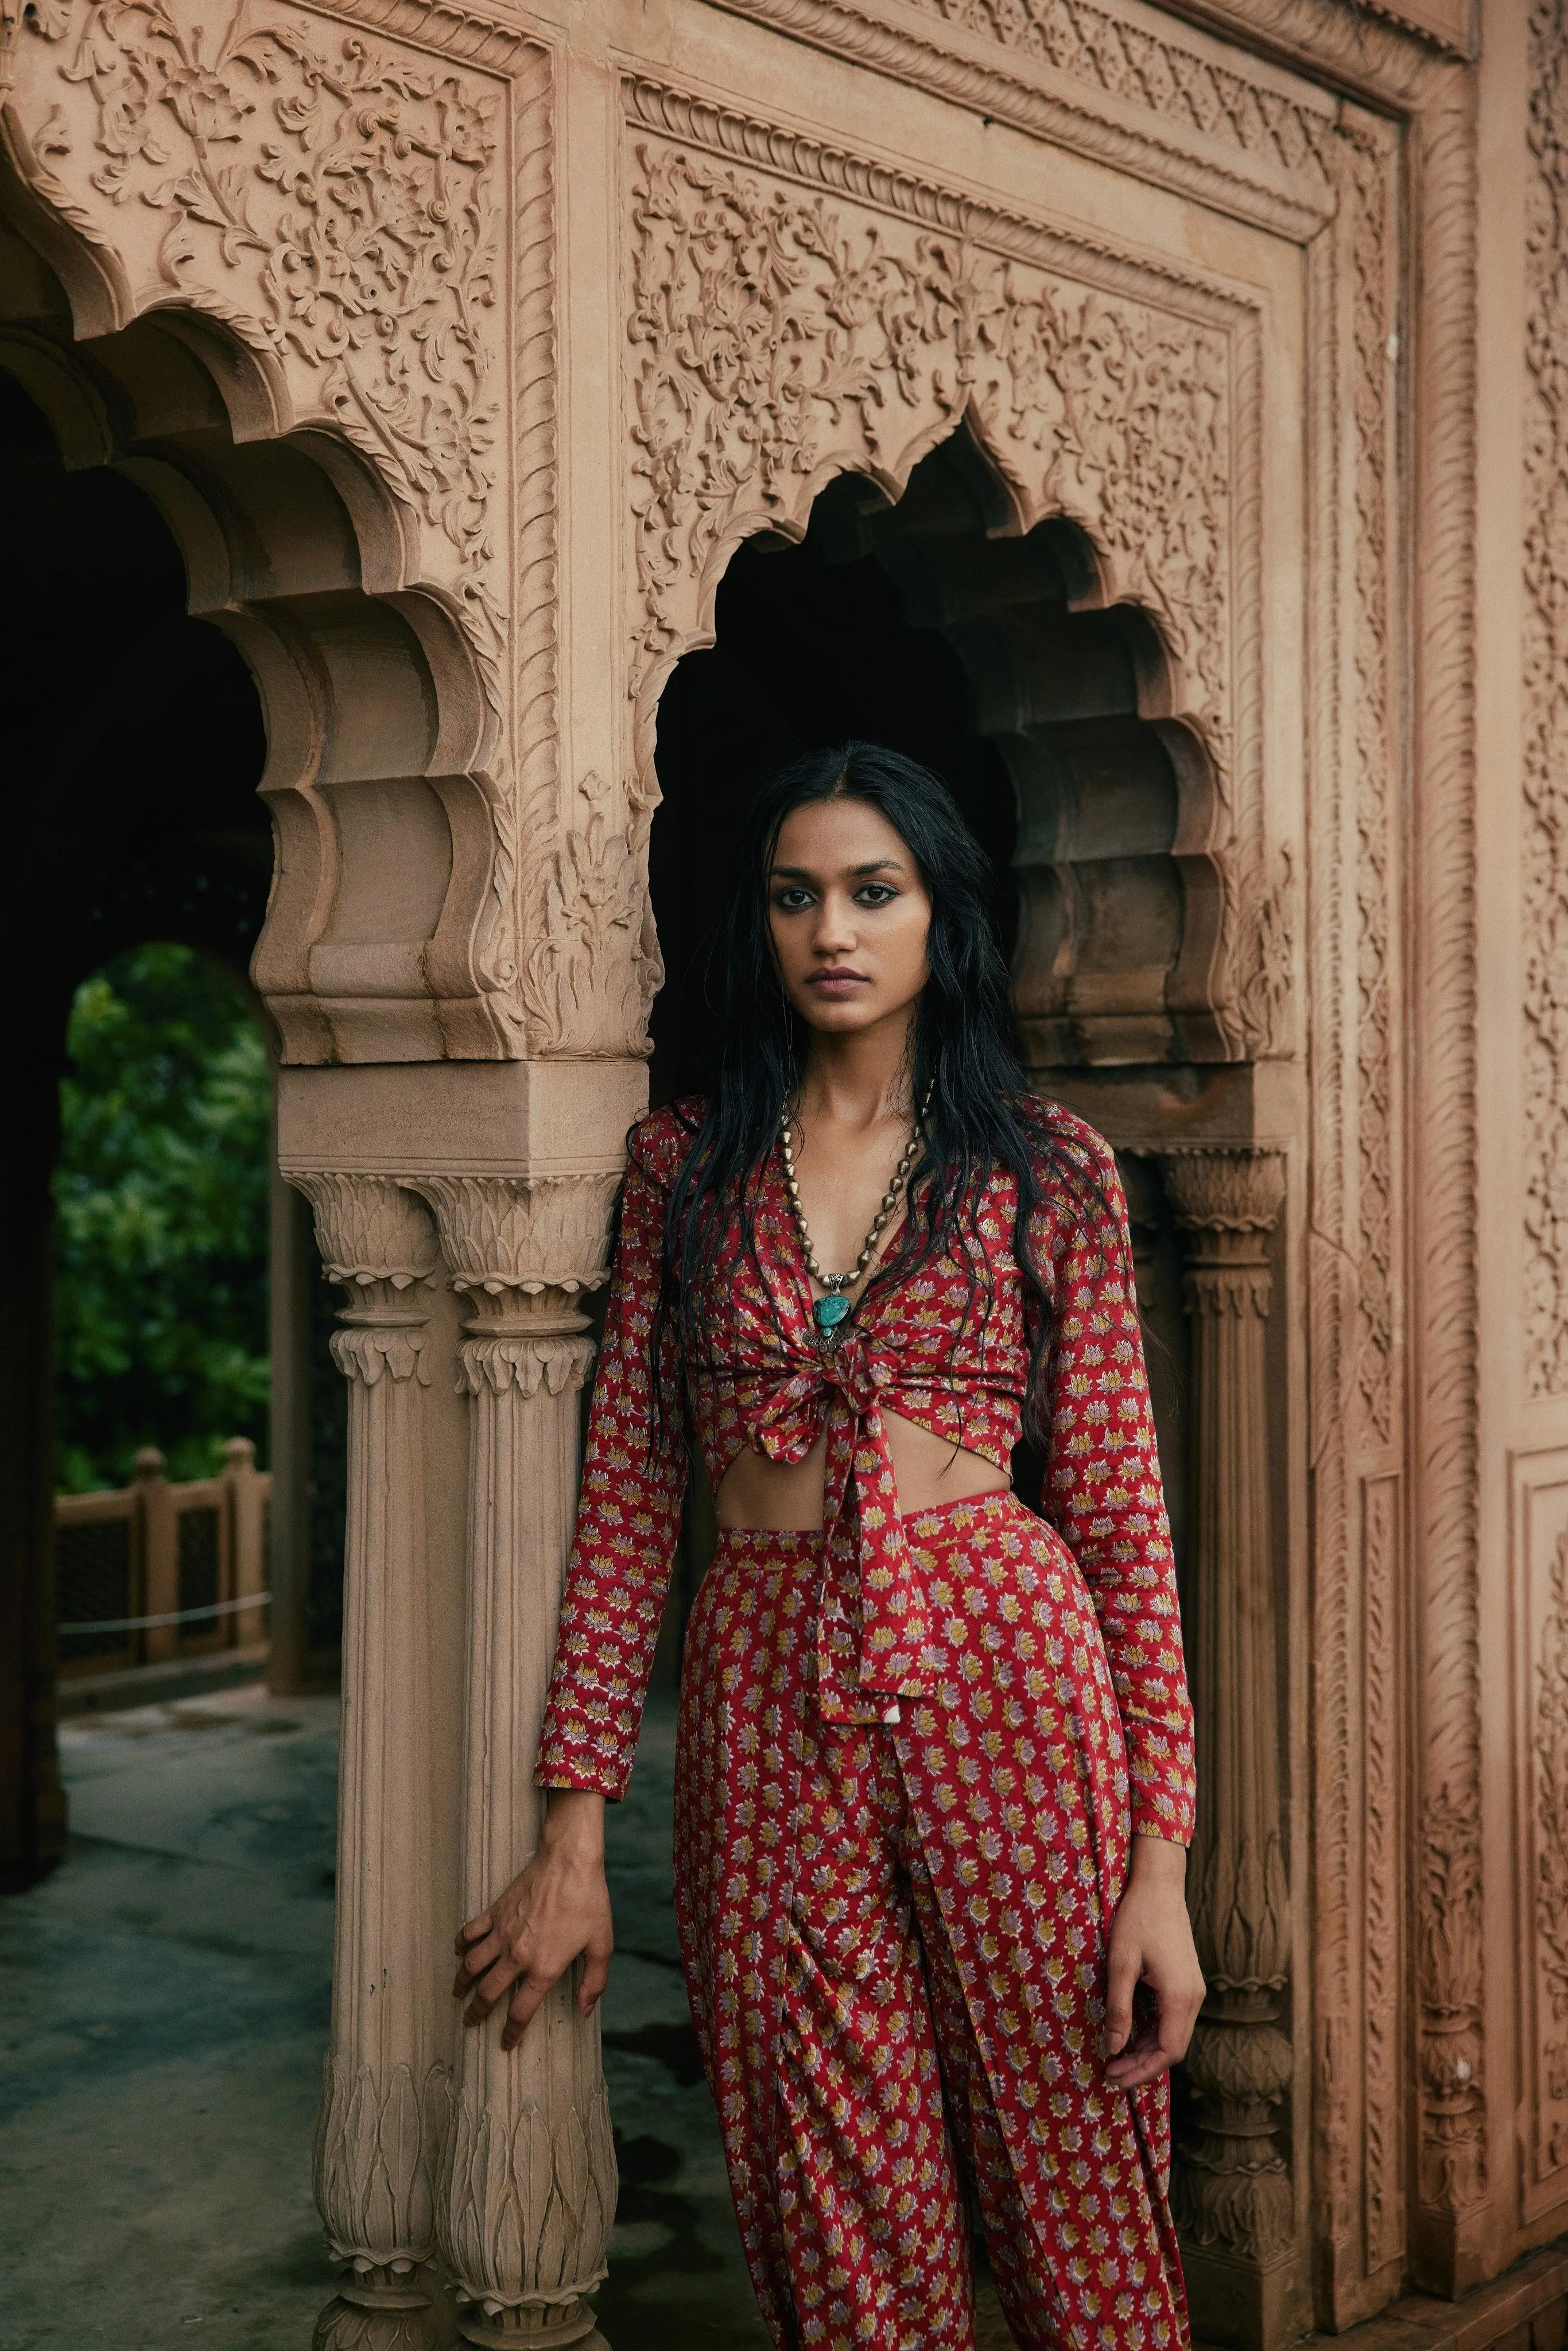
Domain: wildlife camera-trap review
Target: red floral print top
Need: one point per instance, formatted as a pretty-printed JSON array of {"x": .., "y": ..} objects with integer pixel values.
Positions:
[{"x": 916, "y": 1344}]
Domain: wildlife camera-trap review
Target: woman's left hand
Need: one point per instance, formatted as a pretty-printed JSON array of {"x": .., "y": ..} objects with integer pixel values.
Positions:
[{"x": 1151, "y": 1943}]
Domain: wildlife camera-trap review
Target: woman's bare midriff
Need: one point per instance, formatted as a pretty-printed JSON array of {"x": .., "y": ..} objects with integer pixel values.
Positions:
[{"x": 776, "y": 1496}]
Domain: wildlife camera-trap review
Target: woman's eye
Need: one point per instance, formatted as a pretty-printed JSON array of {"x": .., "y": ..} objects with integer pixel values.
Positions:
[
  {"x": 875, "y": 893},
  {"x": 790, "y": 901}
]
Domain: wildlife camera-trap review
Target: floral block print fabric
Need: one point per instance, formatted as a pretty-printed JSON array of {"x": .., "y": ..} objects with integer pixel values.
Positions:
[
  {"x": 947, "y": 1345},
  {"x": 913, "y": 1753},
  {"x": 894, "y": 1942}
]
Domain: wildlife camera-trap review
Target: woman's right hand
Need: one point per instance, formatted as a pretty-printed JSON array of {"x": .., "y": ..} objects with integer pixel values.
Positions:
[{"x": 557, "y": 1911}]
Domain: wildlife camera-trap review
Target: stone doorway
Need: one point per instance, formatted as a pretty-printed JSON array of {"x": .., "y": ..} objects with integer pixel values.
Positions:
[
  {"x": 934, "y": 626},
  {"x": 137, "y": 740},
  {"x": 136, "y": 744}
]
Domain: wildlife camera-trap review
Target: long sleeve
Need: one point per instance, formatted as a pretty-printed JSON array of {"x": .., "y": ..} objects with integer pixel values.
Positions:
[
  {"x": 628, "y": 1520},
  {"x": 1104, "y": 1497}
]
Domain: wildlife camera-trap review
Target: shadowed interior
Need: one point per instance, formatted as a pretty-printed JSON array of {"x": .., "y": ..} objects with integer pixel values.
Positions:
[
  {"x": 926, "y": 627},
  {"x": 931, "y": 627}
]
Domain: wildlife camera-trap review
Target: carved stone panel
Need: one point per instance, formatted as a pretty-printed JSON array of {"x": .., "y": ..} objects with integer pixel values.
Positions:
[
  {"x": 1359, "y": 1494},
  {"x": 1539, "y": 1579},
  {"x": 338, "y": 201},
  {"x": 1546, "y": 711}
]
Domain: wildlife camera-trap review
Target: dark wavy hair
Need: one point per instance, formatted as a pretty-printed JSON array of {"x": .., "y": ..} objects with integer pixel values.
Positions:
[{"x": 981, "y": 1114}]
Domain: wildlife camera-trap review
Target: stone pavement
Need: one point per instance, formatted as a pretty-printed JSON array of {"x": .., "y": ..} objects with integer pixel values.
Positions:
[
  {"x": 163, "y": 2007},
  {"x": 165, "y": 2003}
]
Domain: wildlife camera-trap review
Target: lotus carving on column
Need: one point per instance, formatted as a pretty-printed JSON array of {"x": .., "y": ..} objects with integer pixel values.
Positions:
[{"x": 530, "y": 1233}]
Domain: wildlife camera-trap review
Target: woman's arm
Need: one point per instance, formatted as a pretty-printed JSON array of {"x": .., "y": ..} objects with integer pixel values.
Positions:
[
  {"x": 1151, "y": 1943},
  {"x": 1103, "y": 1495},
  {"x": 556, "y": 1912},
  {"x": 628, "y": 1520}
]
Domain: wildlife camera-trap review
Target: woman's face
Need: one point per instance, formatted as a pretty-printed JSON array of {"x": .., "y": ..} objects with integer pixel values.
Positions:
[{"x": 849, "y": 916}]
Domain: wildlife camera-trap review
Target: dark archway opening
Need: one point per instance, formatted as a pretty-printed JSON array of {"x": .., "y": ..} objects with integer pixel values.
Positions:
[
  {"x": 130, "y": 815},
  {"x": 933, "y": 627},
  {"x": 812, "y": 645}
]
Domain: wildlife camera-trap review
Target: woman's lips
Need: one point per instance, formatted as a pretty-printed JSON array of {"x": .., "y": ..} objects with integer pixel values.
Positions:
[{"x": 836, "y": 983}]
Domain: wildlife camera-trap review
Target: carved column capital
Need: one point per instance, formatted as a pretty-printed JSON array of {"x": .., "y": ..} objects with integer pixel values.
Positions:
[
  {"x": 368, "y": 1353},
  {"x": 494, "y": 1363},
  {"x": 380, "y": 1244},
  {"x": 523, "y": 1249},
  {"x": 370, "y": 1233},
  {"x": 1227, "y": 1202},
  {"x": 1223, "y": 1189}
]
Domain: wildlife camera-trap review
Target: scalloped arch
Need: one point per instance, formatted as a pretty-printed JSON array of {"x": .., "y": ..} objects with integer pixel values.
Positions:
[
  {"x": 387, "y": 934},
  {"x": 1118, "y": 894}
]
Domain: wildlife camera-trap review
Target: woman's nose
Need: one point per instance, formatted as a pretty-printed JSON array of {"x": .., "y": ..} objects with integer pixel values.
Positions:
[{"x": 835, "y": 931}]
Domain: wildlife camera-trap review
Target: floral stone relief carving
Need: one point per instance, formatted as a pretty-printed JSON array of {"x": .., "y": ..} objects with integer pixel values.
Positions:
[
  {"x": 335, "y": 201},
  {"x": 377, "y": 224},
  {"x": 1113, "y": 51},
  {"x": 594, "y": 968},
  {"x": 1546, "y": 711},
  {"x": 781, "y": 339}
]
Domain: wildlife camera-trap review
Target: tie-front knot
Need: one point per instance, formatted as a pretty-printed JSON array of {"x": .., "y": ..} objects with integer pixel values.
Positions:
[
  {"x": 860, "y": 1501},
  {"x": 850, "y": 1371},
  {"x": 837, "y": 1393}
]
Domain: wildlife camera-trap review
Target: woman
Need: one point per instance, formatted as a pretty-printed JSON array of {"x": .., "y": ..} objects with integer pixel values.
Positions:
[{"x": 934, "y": 1775}]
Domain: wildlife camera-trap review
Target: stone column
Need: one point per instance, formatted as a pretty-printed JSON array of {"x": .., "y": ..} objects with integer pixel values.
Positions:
[
  {"x": 1234, "y": 2195},
  {"x": 387, "y": 2083},
  {"x": 292, "y": 1274},
  {"x": 527, "y": 2186}
]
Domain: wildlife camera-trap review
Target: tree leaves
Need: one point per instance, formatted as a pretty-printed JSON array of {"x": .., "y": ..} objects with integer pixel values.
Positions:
[{"x": 160, "y": 1297}]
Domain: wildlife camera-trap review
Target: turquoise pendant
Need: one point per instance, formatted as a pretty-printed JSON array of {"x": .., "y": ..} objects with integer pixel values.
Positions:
[{"x": 829, "y": 1312}]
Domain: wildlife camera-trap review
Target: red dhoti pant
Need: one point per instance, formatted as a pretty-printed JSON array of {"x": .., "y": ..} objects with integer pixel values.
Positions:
[{"x": 895, "y": 1944}]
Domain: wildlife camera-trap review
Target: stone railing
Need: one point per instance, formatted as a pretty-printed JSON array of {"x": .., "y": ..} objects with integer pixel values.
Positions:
[{"x": 152, "y": 1572}]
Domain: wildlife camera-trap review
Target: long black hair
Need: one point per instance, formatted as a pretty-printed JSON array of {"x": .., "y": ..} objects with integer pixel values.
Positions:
[{"x": 980, "y": 1114}]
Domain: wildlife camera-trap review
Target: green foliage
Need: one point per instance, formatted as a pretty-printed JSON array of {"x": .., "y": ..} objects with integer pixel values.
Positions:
[{"x": 160, "y": 1295}]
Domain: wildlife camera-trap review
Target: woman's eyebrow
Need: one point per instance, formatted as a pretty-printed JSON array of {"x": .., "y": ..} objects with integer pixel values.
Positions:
[{"x": 805, "y": 873}]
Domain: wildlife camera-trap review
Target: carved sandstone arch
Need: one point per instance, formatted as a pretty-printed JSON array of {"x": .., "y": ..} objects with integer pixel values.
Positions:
[
  {"x": 374, "y": 719},
  {"x": 1120, "y": 894},
  {"x": 257, "y": 266},
  {"x": 933, "y": 625},
  {"x": 797, "y": 314}
]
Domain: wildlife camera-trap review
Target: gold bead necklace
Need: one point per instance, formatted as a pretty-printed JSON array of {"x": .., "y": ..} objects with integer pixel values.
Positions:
[{"x": 831, "y": 1314}]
